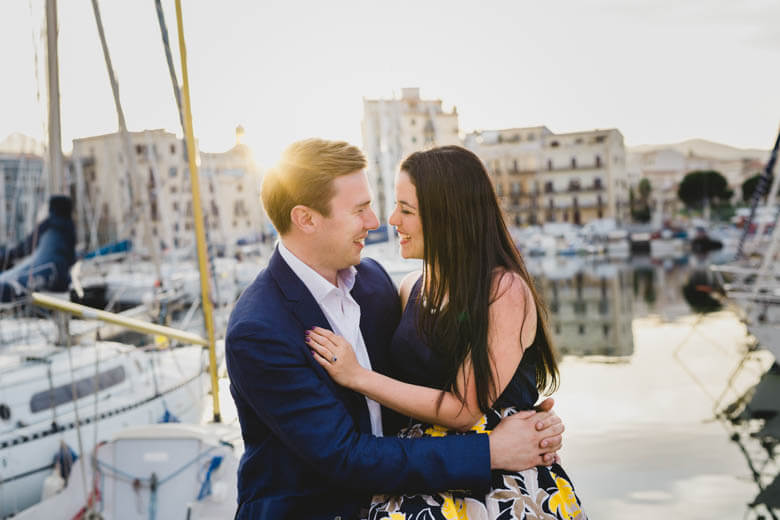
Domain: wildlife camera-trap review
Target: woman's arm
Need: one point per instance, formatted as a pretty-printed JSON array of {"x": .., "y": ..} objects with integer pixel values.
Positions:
[{"x": 507, "y": 338}]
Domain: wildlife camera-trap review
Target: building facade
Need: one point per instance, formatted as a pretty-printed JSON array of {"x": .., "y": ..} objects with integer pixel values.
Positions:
[
  {"x": 394, "y": 128},
  {"x": 541, "y": 176},
  {"x": 23, "y": 195},
  {"x": 232, "y": 182},
  {"x": 665, "y": 168},
  {"x": 158, "y": 195}
]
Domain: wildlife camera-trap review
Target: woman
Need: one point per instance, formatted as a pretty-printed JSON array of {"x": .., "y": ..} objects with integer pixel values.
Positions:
[{"x": 472, "y": 345}]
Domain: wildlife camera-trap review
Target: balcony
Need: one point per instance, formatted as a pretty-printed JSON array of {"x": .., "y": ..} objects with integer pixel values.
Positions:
[
  {"x": 578, "y": 167},
  {"x": 520, "y": 171}
]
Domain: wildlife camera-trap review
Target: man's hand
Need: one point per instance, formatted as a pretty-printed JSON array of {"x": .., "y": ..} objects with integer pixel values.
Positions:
[{"x": 526, "y": 439}]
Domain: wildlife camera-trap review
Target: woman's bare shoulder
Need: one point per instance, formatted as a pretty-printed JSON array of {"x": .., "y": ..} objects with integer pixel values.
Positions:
[
  {"x": 509, "y": 285},
  {"x": 405, "y": 288}
]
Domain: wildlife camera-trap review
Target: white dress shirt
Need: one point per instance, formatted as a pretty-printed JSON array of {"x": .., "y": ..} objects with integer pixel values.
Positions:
[{"x": 342, "y": 312}]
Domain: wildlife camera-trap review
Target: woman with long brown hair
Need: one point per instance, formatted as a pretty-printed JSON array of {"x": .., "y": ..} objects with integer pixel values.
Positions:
[{"x": 472, "y": 345}]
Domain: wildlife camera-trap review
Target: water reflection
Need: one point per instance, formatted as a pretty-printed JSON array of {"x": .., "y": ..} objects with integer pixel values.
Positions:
[
  {"x": 591, "y": 306},
  {"x": 660, "y": 401}
]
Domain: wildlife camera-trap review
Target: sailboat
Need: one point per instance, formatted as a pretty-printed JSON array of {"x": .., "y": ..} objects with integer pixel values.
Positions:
[
  {"x": 166, "y": 470},
  {"x": 60, "y": 400},
  {"x": 754, "y": 286}
]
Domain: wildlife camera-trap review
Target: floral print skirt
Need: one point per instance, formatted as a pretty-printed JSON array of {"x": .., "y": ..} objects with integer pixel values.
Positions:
[{"x": 543, "y": 492}]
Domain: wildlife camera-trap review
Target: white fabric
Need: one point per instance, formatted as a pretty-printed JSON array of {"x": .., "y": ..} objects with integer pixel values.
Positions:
[{"x": 341, "y": 311}]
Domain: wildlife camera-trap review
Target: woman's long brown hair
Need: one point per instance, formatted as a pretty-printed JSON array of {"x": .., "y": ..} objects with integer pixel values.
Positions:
[{"x": 465, "y": 241}]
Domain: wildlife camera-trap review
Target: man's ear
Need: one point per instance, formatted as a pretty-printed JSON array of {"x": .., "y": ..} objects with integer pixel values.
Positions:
[{"x": 304, "y": 218}]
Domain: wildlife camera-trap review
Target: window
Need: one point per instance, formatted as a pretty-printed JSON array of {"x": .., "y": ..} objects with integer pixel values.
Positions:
[
  {"x": 598, "y": 161},
  {"x": 173, "y": 149},
  {"x": 549, "y": 164},
  {"x": 554, "y": 144},
  {"x": 414, "y": 139},
  {"x": 70, "y": 392},
  {"x": 172, "y": 171},
  {"x": 548, "y": 188},
  {"x": 574, "y": 162},
  {"x": 412, "y": 122}
]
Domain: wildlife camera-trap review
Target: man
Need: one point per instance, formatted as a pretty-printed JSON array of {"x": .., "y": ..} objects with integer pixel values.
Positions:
[{"x": 314, "y": 449}]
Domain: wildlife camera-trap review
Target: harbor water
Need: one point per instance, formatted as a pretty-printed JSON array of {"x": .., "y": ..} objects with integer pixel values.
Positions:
[{"x": 646, "y": 379}]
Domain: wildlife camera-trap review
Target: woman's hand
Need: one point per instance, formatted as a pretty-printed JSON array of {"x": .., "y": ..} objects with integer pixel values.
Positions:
[{"x": 335, "y": 355}]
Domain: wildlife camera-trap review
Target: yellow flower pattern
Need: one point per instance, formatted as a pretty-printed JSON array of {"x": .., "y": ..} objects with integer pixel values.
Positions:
[
  {"x": 453, "y": 508},
  {"x": 564, "y": 502},
  {"x": 541, "y": 493},
  {"x": 436, "y": 431}
]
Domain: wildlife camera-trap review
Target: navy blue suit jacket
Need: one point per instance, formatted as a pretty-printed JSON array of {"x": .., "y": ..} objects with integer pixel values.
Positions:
[{"x": 309, "y": 449}]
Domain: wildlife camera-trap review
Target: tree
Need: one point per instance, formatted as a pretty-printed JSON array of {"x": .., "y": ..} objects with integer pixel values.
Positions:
[
  {"x": 749, "y": 187},
  {"x": 644, "y": 192},
  {"x": 640, "y": 209},
  {"x": 702, "y": 187}
]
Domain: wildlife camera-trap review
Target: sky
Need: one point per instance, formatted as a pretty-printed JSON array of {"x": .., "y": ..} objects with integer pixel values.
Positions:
[{"x": 660, "y": 71}]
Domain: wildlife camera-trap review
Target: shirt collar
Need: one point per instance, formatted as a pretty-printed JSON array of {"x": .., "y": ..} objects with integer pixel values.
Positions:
[{"x": 317, "y": 285}]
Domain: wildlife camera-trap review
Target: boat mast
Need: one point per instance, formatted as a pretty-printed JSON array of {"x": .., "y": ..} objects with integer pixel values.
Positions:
[
  {"x": 197, "y": 214},
  {"x": 56, "y": 177},
  {"x": 140, "y": 195}
]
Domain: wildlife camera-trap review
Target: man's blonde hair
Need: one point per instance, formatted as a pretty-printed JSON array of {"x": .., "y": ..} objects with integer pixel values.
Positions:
[{"x": 304, "y": 176}]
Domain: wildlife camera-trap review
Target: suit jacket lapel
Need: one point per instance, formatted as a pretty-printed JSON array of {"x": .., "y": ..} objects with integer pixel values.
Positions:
[
  {"x": 362, "y": 292},
  {"x": 309, "y": 314}
]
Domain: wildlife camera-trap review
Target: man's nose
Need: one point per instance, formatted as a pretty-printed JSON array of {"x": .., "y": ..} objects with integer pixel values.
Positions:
[{"x": 371, "y": 222}]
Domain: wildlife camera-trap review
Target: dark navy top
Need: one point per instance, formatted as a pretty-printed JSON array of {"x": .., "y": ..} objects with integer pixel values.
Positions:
[{"x": 412, "y": 361}]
